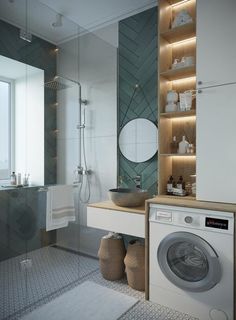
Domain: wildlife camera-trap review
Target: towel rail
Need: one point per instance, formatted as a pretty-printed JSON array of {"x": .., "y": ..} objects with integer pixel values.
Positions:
[{"x": 43, "y": 189}]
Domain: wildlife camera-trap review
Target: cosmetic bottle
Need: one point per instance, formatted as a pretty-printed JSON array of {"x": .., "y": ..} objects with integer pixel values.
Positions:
[
  {"x": 181, "y": 183},
  {"x": 174, "y": 145},
  {"x": 170, "y": 185},
  {"x": 19, "y": 179},
  {"x": 13, "y": 178}
]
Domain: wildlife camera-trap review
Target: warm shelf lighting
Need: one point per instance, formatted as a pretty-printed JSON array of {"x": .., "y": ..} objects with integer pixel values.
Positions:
[
  {"x": 182, "y": 42},
  {"x": 184, "y": 157},
  {"x": 184, "y": 119},
  {"x": 184, "y": 80},
  {"x": 179, "y": 3}
]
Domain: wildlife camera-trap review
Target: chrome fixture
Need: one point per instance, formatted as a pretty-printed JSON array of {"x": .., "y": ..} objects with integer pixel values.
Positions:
[
  {"x": 24, "y": 35},
  {"x": 81, "y": 173},
  {"x": 58, "y": 22},
  {"x": 60, "y": 83},
  {"x": 137, "y": 181},
  {"x": 43, "y": 189}
]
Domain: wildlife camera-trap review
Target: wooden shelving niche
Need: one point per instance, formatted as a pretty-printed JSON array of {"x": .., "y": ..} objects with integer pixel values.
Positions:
[{"x": 176, "y": 43}]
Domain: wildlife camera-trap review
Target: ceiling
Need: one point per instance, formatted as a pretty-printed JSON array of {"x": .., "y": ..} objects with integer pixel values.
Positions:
[
  {"x": 78, "y": 15},
  {"x": 91, "y": 14}
]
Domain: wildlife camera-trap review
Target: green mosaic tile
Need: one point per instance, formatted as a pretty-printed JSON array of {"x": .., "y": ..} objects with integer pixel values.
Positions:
[{"x": 138, "y": 64}]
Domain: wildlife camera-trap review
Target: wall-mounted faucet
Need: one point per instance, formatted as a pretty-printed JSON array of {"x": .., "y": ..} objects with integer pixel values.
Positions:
[{"x": 137, "y": 181}]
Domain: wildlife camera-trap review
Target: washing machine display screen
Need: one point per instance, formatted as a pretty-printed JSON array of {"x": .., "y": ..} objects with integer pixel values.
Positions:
[{"x": 217, "y": 223}]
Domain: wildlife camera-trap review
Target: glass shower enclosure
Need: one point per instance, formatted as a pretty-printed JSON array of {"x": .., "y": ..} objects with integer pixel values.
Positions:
[{"x": 47, "y": 127}]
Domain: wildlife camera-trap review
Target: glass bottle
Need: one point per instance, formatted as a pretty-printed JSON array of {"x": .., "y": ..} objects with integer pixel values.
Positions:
[
  {"x": 13, "y": 178},
  {"x": 170, "y": 185},
  {"x": 174, "y": 145},
  {"x": 181, "y": 183}
]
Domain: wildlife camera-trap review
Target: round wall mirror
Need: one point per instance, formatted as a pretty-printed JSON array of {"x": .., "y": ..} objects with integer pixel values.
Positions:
[{"x": 138, "y": 140}]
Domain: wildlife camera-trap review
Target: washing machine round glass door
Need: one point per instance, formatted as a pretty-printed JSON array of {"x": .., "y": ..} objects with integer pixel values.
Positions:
[{"x": 189, "y": 262}]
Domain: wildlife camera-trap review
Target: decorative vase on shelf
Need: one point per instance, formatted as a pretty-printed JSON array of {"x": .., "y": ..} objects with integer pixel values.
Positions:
[
  {"x": 181, "y": 18},
  {"x": 183, "y": 146},
  {"x": 171, "y": 99}
]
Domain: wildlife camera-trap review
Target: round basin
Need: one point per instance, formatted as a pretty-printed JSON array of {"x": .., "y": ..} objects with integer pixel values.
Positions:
[{"x": 125, "y": 197}]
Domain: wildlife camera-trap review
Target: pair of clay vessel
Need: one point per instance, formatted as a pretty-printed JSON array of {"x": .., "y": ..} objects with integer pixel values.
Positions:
[{"x": 114, "y": 261}]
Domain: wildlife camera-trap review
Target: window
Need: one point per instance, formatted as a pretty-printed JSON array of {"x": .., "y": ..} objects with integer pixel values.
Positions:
[{"x": 5, "y": 129}]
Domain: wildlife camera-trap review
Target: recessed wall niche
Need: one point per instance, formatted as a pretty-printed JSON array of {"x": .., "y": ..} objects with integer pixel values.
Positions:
[{"x": 40, "y": 54}]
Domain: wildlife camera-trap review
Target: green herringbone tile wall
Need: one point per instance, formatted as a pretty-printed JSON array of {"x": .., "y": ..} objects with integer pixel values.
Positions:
[
  {"x": 40, "y": 54},
  {"x": 138, "y": 65}
]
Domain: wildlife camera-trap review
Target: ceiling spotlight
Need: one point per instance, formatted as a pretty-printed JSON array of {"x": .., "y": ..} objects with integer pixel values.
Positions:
[{"x": 58, "y": 22}]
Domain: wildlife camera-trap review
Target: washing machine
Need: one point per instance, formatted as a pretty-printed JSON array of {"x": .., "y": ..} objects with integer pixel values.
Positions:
[{"x": 191, "y": 261}]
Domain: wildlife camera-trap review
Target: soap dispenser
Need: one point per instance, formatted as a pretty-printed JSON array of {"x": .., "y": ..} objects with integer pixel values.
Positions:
[{"x": 183, "y": 145}]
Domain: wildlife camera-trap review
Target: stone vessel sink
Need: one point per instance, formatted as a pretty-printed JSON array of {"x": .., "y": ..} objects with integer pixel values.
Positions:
[{"x": 125, "y": 197}]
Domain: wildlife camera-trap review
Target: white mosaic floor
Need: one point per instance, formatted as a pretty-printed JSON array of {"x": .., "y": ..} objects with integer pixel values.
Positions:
[{"x": 55, "y": 271}]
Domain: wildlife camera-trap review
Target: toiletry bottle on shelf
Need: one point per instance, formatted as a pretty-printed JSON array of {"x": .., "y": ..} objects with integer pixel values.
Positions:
[
  {"x": 170, "y": 185},
  {"x": 181, "y": 183},
  {"x": 183, "y": 145},
  {"x": 174, "y": 145},
  {"x": 13, "y": 178},
  {"x": 26, "y": 180},
  {"x": 19, "y": 179},
  {"x": 190, "y": 148}
]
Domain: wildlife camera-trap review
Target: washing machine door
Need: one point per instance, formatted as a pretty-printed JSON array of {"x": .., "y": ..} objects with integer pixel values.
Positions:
[{"x": 189, "y": 262}]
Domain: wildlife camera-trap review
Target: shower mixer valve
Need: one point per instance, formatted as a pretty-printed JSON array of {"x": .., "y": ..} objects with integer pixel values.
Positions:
[{"x": 80, "y": 171}]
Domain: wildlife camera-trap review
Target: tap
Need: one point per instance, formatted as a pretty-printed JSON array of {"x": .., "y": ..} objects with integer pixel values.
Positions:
[{"x": 137, "y": 181}]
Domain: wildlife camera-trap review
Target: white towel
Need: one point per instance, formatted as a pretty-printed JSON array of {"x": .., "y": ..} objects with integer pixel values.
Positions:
[{"x": 60, "y": 207}]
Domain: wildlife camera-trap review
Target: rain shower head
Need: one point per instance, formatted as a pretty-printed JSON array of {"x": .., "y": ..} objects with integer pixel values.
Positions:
[{"x": 60, "y": 83}]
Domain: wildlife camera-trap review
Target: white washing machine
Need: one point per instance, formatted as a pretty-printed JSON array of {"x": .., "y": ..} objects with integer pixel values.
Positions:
[{"x": 192, "y": 261}]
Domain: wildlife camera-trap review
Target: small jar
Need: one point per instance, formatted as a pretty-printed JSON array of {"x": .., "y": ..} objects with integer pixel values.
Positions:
[{"x": 190, "y": 148}]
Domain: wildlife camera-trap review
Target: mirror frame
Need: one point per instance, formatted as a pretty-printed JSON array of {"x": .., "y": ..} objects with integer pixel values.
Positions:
[{"x": 144, "y": 159}]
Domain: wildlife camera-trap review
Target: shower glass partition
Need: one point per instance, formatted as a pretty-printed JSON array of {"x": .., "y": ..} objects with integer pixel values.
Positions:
[{"x": 47, "y": 123}]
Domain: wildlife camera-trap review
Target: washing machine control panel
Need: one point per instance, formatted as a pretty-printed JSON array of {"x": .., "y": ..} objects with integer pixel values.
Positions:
[{"x": 222, "y": 222}]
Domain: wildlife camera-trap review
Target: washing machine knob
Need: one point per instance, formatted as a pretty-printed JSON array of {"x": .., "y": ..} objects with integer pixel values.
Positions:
[{"x": 188, "y": 219}]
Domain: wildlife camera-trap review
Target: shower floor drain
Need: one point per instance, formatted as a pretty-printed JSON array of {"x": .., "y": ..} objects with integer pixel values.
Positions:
[{"x": 26, "y": 264}]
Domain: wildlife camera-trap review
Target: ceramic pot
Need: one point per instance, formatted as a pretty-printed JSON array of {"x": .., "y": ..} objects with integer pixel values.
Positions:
[
  {"x": 135, "y": 265},
  {"x": 171, "y": 107},
  {"x": 172, "y": 96},
  {"x": 111, "y": 258}
]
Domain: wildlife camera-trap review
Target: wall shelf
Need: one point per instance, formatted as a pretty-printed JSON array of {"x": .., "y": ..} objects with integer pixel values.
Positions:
[
  {"x": 176, "y": 1},
  {"x": 178, "y": 155},
  {"x": 178, "y": 114},
  {"x": 179, "y": 73},
  {"x": 183, "y": 32},
  {"x": 175, "y": 124}
]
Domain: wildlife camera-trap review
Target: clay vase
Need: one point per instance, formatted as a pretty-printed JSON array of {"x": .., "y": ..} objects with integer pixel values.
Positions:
[
  {"x": 111, "y": 258},
  {"x": 135, "y": 265}
]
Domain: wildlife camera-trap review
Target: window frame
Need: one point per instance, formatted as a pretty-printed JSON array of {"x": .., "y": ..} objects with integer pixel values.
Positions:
[{"x": 11, "y": 119}]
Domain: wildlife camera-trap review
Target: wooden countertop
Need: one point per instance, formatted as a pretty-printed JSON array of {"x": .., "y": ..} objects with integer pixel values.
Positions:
[
  {"x": 111, "y": 206},
  {"x": 191, "y": 202}
]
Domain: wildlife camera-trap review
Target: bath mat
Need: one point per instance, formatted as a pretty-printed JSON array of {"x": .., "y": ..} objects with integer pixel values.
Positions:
[{"x": 88, "y": 301}]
